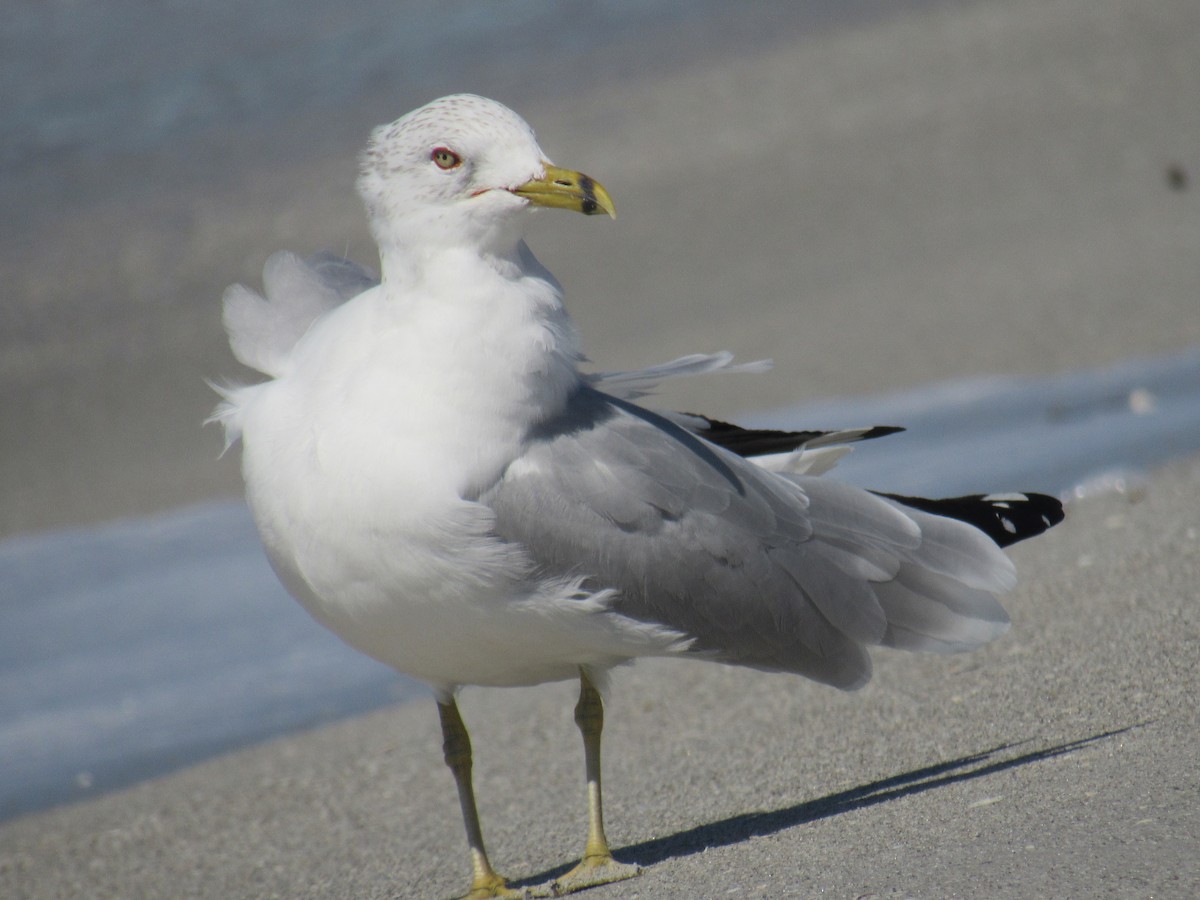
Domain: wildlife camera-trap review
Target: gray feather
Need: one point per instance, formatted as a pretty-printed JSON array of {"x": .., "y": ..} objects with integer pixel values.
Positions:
[{"x": 788, "y": 573}]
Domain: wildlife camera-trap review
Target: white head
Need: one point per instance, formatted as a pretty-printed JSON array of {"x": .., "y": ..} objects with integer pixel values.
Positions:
[{"x": 460, "y": 170}]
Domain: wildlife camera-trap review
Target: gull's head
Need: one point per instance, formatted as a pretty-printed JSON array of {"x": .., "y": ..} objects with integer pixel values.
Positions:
[{"x": 461, "y": 170}]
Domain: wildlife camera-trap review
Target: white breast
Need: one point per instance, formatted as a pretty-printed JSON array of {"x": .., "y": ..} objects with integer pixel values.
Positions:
[{"x": 362, "y": 463}]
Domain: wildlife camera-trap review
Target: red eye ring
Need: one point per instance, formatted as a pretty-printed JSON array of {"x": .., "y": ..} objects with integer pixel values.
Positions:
[{"x": 445, "y": 158}]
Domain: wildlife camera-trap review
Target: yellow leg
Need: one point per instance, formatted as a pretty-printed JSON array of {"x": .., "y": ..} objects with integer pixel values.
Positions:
[
  {"x": 597, "y": 865},
  {"x": 456, "y": 745}
]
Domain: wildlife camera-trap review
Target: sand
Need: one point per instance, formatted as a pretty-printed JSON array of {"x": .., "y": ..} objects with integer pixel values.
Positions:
[{"x": 1059, "y": 761}]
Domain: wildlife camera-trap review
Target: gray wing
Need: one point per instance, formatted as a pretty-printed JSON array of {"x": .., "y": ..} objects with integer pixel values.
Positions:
[{"x": 783, "y": 573}]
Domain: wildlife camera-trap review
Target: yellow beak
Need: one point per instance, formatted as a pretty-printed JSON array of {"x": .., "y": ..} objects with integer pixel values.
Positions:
[{"x": 564, "y": 189}]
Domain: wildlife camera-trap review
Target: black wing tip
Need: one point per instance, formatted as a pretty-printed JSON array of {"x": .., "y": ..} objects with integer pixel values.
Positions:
[
  {"x": 881, "y": 431},
  {"x": 761, "y": 441},
  {"x": 1005, "y": 518}
]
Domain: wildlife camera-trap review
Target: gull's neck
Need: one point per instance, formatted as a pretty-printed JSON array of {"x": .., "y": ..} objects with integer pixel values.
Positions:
[
  {"x": 491, "y": 320},
  {"x": 404, "y": 268},
  {"x": 424, "y": 238}
]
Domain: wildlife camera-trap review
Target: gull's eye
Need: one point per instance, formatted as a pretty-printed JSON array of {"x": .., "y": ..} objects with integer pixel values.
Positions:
[{"x": 446, "y": 158}]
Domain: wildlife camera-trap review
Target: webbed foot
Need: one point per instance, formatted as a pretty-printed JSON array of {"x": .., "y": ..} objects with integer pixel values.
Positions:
[{"x": 591, "y": 872}]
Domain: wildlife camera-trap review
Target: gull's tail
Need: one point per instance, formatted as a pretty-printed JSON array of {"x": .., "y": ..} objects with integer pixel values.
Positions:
[
  {"x": 926, "y": 581},
  {"x": 1005, "y": 518}
]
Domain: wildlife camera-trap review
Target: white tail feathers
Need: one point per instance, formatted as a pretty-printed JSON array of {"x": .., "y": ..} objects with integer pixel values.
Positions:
[{"x": 926, "y": 586}]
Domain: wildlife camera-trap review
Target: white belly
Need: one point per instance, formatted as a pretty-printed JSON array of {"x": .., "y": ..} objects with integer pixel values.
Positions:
[
  {"x": 362, "y": 460},
  {"x": 368, "y": 529}
]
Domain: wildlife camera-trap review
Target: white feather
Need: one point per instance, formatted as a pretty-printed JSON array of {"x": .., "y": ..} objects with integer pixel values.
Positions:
[{"x": 634, "y": 383}]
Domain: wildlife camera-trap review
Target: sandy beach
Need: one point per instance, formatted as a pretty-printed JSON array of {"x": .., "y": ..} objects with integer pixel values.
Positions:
[
  {"x": 1059, "y": 761},
  {"x": 986, "y": 187}
]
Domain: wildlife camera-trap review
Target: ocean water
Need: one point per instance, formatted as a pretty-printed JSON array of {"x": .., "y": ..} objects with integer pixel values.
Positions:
[
  {"x": 136, "y": 647},
  {"x": 129, "y": 75}
]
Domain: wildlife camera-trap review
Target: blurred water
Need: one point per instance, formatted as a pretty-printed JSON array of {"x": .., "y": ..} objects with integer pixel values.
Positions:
[
  {"x": 133, "y": 648},
  {"x": 1005, "y": 433},
  {"x": 129, "y": 74}
]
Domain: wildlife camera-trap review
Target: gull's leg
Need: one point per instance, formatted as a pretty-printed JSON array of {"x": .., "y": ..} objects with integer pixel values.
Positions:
[
  {"x": 456, "y": 745},
  {"x": 597, "y": 865}
]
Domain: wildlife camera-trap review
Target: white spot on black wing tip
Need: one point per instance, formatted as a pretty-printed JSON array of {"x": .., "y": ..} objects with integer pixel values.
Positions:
[{"x": 1005, "y": 518}]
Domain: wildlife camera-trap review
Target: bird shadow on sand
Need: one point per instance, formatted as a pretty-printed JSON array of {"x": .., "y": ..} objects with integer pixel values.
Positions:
[{"x": 734, "y": 829}]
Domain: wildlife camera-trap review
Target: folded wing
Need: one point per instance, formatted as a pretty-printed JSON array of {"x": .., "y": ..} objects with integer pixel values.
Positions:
[{"x": 782, "y": 572}]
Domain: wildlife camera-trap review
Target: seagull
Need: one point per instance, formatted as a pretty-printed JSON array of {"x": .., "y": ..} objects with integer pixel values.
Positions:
[{"x": 436, "y": 481}]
